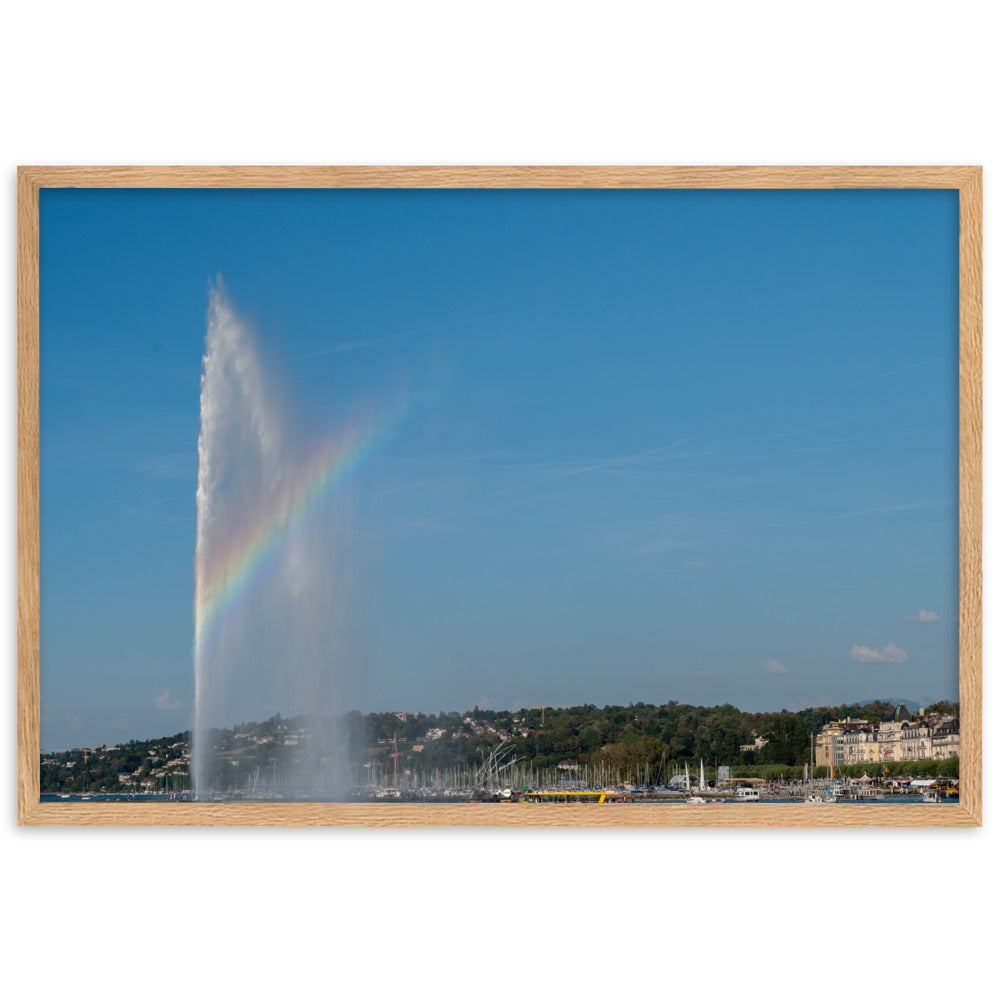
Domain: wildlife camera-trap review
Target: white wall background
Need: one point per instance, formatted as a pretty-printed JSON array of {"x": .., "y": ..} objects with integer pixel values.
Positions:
[{"x": 244, "y": 913}]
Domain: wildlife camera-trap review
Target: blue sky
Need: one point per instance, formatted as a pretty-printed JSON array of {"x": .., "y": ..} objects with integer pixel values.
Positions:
[{"x": 659, "y": 445}]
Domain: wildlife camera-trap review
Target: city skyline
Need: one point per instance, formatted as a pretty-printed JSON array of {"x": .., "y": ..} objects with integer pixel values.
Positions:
[{"x": 635, "y": 445}]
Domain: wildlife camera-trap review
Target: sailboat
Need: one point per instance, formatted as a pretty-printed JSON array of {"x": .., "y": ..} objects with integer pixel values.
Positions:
[{"x": 696, "y": 799}]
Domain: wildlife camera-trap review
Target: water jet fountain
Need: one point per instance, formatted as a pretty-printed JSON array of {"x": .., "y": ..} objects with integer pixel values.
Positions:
[{"x": 271, "y": 591}]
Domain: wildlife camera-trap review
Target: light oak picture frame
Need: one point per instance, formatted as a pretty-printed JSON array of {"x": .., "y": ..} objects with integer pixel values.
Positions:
[{"x": 966, "y": 180}]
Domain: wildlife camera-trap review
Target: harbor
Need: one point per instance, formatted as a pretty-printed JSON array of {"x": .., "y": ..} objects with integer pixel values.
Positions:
[{"x": 742, "y": 792}]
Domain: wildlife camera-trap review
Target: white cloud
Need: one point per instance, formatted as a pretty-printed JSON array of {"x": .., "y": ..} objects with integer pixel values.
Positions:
[
  {"x": 924, "y": 617},
  {"x": 163, "y": 701},
  {"x": 889, "y": 654},
  {"x": 774, "y": 667}
]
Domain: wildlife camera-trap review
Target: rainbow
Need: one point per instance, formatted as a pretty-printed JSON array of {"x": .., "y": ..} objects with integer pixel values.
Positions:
[{"x": 256, "y": 550}]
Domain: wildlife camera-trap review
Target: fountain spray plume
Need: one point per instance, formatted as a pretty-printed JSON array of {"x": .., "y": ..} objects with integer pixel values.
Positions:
[{"x": 271, "y": 604}]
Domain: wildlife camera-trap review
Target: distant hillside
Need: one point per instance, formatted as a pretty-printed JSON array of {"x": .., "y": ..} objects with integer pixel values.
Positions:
[{"x": 636, "y": 739}]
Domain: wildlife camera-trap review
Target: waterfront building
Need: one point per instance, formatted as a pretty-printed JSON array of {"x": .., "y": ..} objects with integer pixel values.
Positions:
[
  {"x": 860, "y": 745},
  {"x": 945, "y": 738},
  {"x": 899, "y": 737},
  {"x": 888, "y": 740},
  {"x": 830, "y": 742},
  {"x": 915, "y": 741}
]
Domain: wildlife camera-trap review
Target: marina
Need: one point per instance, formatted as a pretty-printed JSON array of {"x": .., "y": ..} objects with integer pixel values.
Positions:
[{"x": 845, "y": 793}]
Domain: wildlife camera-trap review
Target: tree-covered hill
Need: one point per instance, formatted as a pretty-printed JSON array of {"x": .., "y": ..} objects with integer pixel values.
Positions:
[
  {"x": 134, "y": 767},
  {"x": 418, "y": 745}
]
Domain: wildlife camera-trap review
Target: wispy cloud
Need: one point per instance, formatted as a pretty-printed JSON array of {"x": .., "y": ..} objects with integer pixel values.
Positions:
[
  {"x": 924, "y": 617},
  {"x": 358, "y": 345},
  {"x": 888, "y": 654},
  {"x": 164, "y": 703},
  {"x": 419, "y": 525},
  {"x": 619, "y": 461},
  {"x": 449, "y": 326},
  {"x": 674, "y": 531},
  {"x": 419, "y": 484},
  {"x": 864, "y": 512},
  {"x": 774, "y": 667},
  {"x": 668, "y": 533},
  {"x": 889, "y": 374}
]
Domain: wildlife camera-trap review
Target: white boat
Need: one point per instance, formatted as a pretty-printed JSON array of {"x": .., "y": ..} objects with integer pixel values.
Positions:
[
  {"x": 869, "y": 794},
  {"x": 744, "y": 794},
  {"x": 940, "y": 791},
  {"x": 696, "y": 799}
]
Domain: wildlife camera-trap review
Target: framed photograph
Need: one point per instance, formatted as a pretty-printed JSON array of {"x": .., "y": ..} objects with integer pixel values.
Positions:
[{"x": 500, "y": 496}]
